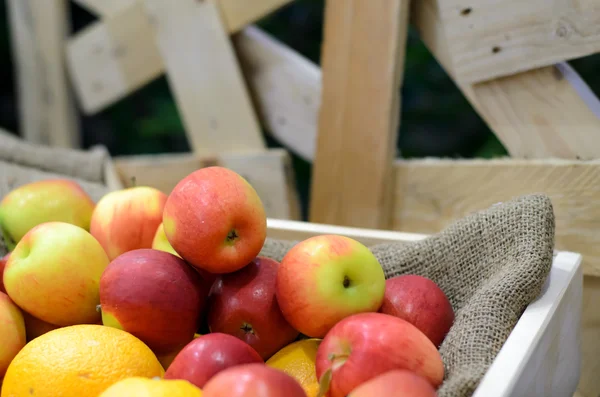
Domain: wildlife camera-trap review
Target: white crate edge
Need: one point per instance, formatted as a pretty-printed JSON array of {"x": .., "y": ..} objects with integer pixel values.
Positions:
[{"x": 542, "y": 355}]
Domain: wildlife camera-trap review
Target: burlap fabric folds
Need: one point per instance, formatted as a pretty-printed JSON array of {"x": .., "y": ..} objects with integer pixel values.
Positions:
[{"x": 491, "y": 264}]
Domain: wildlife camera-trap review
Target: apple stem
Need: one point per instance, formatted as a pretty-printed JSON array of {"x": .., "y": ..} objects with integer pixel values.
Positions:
[
  {"x": 232, "y": 236},
  {"x": 247, "y": 328},
  {"x": 325, "y": 383},
  {"x": 99, "y": 308}
]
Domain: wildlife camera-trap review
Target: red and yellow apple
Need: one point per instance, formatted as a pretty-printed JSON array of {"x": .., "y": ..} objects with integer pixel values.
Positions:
[
  {"x": 215, "y": 220},
  {"x": 395, "y": 383},
  {"x": 243, "y": 304},
  {"x": 155, "y": 296},
  {"x": 166, "y": 359},
  {"x": 209, "y": 354},
  {"x": 365, "y": 345},
  {"x": 12, "y": 331},
  {"x": 2, "y": 266},
  {"x": 127, "y": 219},
  {"x": 50, "y": 200},
  {"x": 326, "y": 278},
  {"x": 161, "y": 243},
  {"x": 252, "y": 380},
  {"x": 421, "y": 302},
  {"x": 54, "y": 274},
  {"x": 35, "y": 327}
]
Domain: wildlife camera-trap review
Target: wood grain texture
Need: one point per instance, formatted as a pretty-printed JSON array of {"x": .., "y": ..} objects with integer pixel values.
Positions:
[
  {"x": 39, "y": 29},
  {"x": 496, "y": 38},
  {"x": 536, "y": 114},
  {"x": 204, "y": 76},
  {"x": 363, "y": 64}
]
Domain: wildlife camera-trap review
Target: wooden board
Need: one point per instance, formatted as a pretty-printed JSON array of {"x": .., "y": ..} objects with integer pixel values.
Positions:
[
  {"x": 363, "y": 66},
  {"x": 589, "y": 384},
  {"x": 495, "y": 38},
  {"x": 205, "y": 77},
  {"x": 112, "y": 58},
  {"x": 38, "y": 34},
  {"x": 105, "y": 8}
]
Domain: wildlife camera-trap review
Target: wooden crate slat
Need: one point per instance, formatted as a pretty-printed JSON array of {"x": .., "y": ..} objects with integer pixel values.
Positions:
[
  {"x": 46, "y": 110},
  {"x": 362, "y": 64},
  {"x": 495, "y": 38},
  {"x": 105, "y": 8},
  {"x": 115, "y": 56}
]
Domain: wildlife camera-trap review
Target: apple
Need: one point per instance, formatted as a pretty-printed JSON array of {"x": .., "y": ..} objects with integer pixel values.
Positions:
[
  {"x": 253, "y": 380},
  {"x": 127, "y": 219},
  {"x": 395, "y": 383},
  {"x": 54, "y": 273},
  {"x": 12, "y": 329},
  {"x": 208, "y": 355},
  {"x": 50, "y": 200},
  {"x": 326, "y": 278},
  {"x": 166, "y": 359},
  {"x": 35, "y": 327},
  {"x": 153, "y": 295},
  {"x": 421, "y": 302},
  {"x": 160, "y": 242},
  {"x": 243, "y": 304},
  {"x": 365, "y": 345},
  {"x": 2, "y": 266},
  {"x": 215, "y": 220}
]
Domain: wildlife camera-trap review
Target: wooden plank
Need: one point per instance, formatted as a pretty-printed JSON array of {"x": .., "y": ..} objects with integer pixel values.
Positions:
[
  {"x": 105, "y": 8},
  {"x": 113, "y": 57},
  {"x": 540, "y": 113},
  {"x": 362, "y": 66},
  {"x": 209, "y": 90},
  {"x": 495, "y": 38},
  {"x": 589, "y": 384},
  {"x": 38, "y": 34},
  {"x": 432, "y": 193}
]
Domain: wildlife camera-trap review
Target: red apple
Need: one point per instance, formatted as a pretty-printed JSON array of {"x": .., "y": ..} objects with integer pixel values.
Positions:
[
  {"x": 395, "y": 383},
  {"x": 215, "y": 220},
  {"x": 209, "y": 354},
  {"x": 253, "y": 380},
  {"x": 153, "y": 295},
  {"x": 363, "y": 346},
  {"x": 243, "y": 304},
  {"x": 421, "y": 302},
  {"x": 2, "y": 266},
  {"x": 326, "y": 278}
]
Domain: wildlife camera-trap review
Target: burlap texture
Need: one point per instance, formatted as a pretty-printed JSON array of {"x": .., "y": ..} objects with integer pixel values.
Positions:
[{"x": 491, "y": 264}]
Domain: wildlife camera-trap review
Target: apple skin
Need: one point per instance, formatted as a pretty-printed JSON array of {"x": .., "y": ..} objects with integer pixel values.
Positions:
[
  {"x": 127, "y": 219},
  {"x": 253, "y": 380},
  {"x": 326, "y": 278},
  {"x": 160, "y": 242},
  {"x": 365, "y": 345},
  {"x": 421, "y": 302},
  {"x": 215, "y": 220},
  {"x": 54, "y": 274},
  {"x": 12, "y": 329},
  {"x": 2, "y": 266},
  {"x": 50, "y": 200},
  {"x": 35, "y": 327},
  {"x": 243, "y": 304},
  {"x": 166, "y": 359},
  {"x": 155, "y": 296},
  {"x": 207, "y": 355},
  {"x": 395, "y": 383}
]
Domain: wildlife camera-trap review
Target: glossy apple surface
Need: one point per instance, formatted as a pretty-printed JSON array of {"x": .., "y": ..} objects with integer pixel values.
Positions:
[{"x": 395, "y": 383}]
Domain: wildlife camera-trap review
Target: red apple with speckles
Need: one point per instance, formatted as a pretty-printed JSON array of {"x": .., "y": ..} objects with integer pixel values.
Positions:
[
  {"x": 421, "y": 302},
  {"x": 243, "y": 304},
  {"x": 2, "y": 266},
  {"x": 395, "y": 383},
  {"x": 366, "y": 345},
  {"x": 253, "y": 380},
  {"x": 209, "y": 354},
  {"x": 155, "y": 296},
  {"x": 215, "y": 220}
]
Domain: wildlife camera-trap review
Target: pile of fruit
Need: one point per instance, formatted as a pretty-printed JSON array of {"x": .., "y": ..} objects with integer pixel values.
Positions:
[{"x": 144, "y": 294}]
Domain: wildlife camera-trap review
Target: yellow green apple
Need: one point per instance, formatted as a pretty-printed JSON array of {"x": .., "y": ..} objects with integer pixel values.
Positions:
[
  {"x": 51, "y": 200},
  {"x": 127, "y": 219},
  {"x": 54, "y": 274},
  {"x": 161, "y": 243},
  {"x": 12, "y": 331}
]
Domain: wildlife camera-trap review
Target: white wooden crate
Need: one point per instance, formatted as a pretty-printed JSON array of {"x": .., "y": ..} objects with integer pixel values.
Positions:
[{"x": 541, "y": 356}]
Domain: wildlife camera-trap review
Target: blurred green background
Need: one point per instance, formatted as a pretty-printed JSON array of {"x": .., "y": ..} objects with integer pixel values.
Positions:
[{"x": 436, "y": 119}]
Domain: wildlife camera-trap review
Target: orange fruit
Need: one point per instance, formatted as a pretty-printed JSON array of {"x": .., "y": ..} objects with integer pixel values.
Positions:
[
  {"x": 298, "y": 360},
  {"x": 78, "y": 360},
  {"x": 145, "y": 387}
]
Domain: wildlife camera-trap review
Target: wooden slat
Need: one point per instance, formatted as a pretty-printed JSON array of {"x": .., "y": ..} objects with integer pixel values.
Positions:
[
  {"x": 495, "y": 38},
  {"x": 205, "y": 77},
  {"x": 363, "y": 65},
  {"x": 536, "y": 114},
  {"x": 589, "y": 384},
  {"x": 105, "y": 8},
  {"x": 113, "y": 57},
  {"x": 38, "y": 34}
]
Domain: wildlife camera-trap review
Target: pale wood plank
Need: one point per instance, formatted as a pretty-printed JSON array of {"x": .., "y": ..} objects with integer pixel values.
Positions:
[
  {"x": 491, "y": 38},
  {"x": 205, "y": 77},
  {"x": 362, "y": 65},
  {"x": 105, "y": 8},
  {"x": 589, "y": 384},
  {"x": 38, "y": 33},
  {"x": 114, "y": 57}
]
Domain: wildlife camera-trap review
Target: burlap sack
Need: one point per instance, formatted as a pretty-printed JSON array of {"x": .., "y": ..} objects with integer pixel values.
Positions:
[{"x": 491, "y": 264}]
